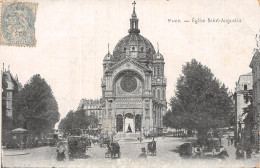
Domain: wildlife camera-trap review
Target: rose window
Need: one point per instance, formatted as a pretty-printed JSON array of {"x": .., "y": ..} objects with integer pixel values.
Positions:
[{"x": 128, "y": 84}]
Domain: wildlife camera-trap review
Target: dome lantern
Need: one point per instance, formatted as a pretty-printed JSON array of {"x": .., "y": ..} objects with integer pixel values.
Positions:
[{"x": 134, "y": 22}]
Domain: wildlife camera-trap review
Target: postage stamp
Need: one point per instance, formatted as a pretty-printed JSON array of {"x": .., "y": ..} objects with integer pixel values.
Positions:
[{"x": 18, "y": 24}]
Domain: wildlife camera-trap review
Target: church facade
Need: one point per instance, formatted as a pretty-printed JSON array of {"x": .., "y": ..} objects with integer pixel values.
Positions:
[{"x": 133, "y": 85}]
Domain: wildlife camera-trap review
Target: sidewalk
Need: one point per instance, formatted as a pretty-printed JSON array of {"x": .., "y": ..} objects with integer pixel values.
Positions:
[
  {"x": 232, "y": 150},
  {"x": 15, "y": 152}
]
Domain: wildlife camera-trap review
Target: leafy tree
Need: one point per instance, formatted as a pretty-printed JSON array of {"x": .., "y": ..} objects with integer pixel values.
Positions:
[
  {"x": 35, "y": 106},
  {"x": 172, "y": 120},
  {"x": 76, "y": 121},
  {"x": 201, "y": 101},
  {"x": 67, "y": 122}
]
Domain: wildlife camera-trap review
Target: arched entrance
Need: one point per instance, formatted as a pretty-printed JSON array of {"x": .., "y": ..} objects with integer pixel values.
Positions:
[
  {"x": 129, "y": 123},
  {"x": 119, "y": 123},
  {"x": 138, "y": 122}
]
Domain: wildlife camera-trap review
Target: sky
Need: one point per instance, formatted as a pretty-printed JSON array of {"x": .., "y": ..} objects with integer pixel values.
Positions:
[{"x": 73, "y": 36}]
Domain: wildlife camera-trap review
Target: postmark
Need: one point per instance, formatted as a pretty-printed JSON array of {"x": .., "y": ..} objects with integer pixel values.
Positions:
[{"x": 18, "y": 24}]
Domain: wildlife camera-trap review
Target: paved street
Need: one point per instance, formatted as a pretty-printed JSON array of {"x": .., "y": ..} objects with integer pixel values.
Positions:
[{"x": 167, "y": 156}]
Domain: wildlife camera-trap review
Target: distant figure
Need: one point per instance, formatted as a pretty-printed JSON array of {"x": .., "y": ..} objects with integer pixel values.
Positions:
[
  {"x": 36, "y": 142},
  {"x": 228, "y": 138},
  {"x": 232, "y": 140},
  {"x": 223, "y": 153},
  {"x": 140, "y": 139},
  {"x": 239, "y": 154},
  {"x": 198, "y": 151},
  {"x": 143, "y": 154},
  {"x": 219, "y": 136},
  {"x": 153, "y": 144},
  {"x": 248, "y": 153},
  {"x": 61, "y": 152},
  {"x": 129, "y": 129}
]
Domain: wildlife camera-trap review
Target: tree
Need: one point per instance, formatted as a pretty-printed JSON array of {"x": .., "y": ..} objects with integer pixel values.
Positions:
[
  {"x": 35, "y": 106},
  {"x": 201, "y": 101},
  {"x": 76, "y": 121}
]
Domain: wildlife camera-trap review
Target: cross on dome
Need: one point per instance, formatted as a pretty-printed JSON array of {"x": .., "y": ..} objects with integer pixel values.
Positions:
[{"x": 134, "y": 3}]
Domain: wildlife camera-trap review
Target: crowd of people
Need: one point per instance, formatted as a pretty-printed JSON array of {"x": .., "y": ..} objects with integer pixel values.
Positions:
[{"x": 245, "y": 154}]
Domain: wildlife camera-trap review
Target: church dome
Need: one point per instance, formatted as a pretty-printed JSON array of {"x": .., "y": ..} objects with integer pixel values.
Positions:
[{"x": 133, "y": 45}]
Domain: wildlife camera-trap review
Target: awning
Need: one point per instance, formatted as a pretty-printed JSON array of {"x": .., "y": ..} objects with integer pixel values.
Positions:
[{"x": 19, "y": 131}]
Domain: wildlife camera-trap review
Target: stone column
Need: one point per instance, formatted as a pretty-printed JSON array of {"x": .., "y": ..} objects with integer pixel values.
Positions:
[
  {"x": 134, "y": 123},
  {"x": 123, "y": 122},
  {"x": 115, "y": 123},
  {"x": 151, "y": 116}
]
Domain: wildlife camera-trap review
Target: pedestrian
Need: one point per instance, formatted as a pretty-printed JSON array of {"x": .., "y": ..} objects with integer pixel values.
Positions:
[
  {"x": 198, "y": 151},
  {"x": 239, "y": 154},
  {"x": 232, "y": 140},
  {"x": 219, "y": 137},
  {"x": 61, "y": 152},
  {"x": 228, "y": 138},
  {"x": 254, "y": 153},
  {"x": 143, "y": 154},
  {"x": 248, "y": 153},
  {"x": 36, "y": 142}
]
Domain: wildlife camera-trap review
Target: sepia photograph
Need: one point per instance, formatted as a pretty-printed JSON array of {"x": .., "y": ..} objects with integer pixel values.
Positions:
[{"x": 130, "y": 83}]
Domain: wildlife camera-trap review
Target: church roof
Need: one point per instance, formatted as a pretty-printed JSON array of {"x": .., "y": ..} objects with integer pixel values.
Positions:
[
  {"x": 128, "y": 60},
  {"x": 133, "y": 45}
]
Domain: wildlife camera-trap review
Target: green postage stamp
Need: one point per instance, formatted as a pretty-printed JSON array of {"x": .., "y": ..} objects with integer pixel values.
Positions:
[{"x": 18, "y": 24}]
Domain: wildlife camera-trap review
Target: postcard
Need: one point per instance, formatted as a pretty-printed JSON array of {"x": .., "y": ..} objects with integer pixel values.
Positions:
[{"x": 151, "y": 83}]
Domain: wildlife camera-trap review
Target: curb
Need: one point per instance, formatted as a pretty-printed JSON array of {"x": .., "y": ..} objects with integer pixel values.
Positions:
[{"x": 17, "y": 154}]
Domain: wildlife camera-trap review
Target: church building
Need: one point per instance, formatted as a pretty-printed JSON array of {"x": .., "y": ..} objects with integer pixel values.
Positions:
[{"x": 133, "y": 85}]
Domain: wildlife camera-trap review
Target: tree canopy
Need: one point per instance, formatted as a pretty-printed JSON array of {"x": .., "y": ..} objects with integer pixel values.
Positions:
[
  {"x": 201, "y": 101},
  {"x": 76, "y": 121},
  {"x": 35, "y": 106}
]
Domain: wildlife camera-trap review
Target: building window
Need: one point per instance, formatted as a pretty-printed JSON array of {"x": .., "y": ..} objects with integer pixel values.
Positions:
[
  {"x": 9, "y": 95},
  {"x": 133, "y": 48},
  {"x": 155, "y": 117},
  {"x": 162, "y": 71},
  {"x": 158, "y": 70},
  {"x": 142, "y": 49},
  {"x": 154, "y": 93},
  {"x": 245, "y": 87},
  {"x": 158, "y": 94},
  {"x": 163, "y": 96}
]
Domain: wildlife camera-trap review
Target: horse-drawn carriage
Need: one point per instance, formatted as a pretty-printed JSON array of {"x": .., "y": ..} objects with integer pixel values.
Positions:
[
  {"x": 209, "y": 150},
  {"x": 151, "y": 148},
  {"x": 77, "y": 147},
  {"x": 113, "y": 150},
  {"x": 185, "y": 150}
]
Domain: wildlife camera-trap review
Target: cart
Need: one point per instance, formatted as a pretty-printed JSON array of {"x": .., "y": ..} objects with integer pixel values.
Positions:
[
  {"x": 113, "y": 150},
  {"x": 151, "y": 148},
  {"x": 77, "y": 146}
]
